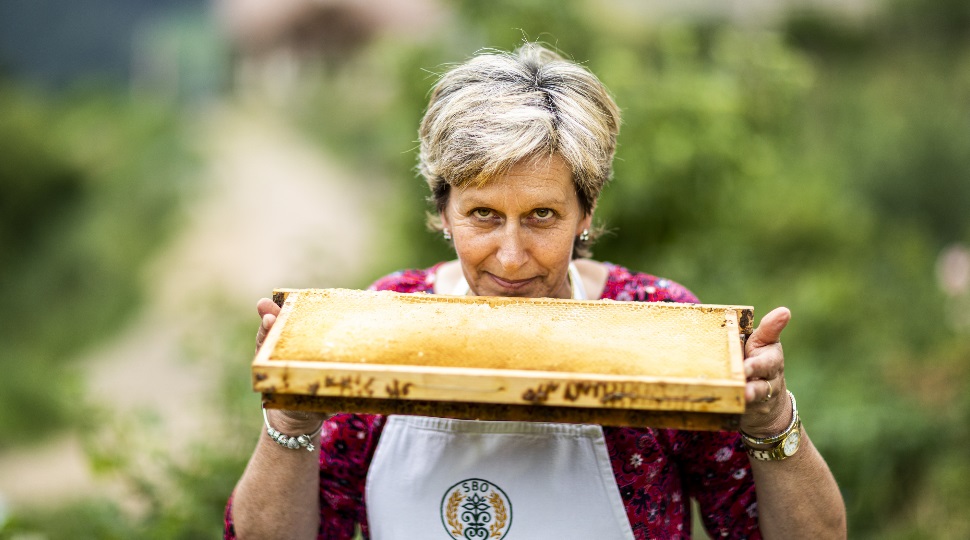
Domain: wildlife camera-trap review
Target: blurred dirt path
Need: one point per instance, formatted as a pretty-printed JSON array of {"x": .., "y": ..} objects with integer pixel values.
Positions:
[{"x": 269, "y": 210}]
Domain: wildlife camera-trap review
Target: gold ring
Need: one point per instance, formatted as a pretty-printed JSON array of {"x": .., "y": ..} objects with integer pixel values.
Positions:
[{"x": 769, "y": 391}]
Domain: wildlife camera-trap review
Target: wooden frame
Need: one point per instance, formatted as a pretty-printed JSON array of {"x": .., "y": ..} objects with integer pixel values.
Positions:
[{"x": 707, "y": 403}]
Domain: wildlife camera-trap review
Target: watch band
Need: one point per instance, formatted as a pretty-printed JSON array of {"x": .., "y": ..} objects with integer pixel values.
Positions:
[
  {"x": 783, "y": 449},
  {"x": 782, "y": 446}
]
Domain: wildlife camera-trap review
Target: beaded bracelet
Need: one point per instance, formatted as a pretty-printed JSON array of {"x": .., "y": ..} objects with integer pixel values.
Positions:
[{"x": 293, "y": 443}]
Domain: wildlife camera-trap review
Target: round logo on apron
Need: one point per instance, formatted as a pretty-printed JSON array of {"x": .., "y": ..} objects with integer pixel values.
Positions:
[{"x": 476, "y": 509}]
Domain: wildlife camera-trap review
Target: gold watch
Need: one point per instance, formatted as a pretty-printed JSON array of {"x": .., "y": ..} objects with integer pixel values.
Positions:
[{"x": 782, "y": 446}]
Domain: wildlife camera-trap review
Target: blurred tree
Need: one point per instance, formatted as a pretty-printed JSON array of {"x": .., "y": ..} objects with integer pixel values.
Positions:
[
  {"x": 90, "y": 185},
  {"x": 39, "y": 185}
]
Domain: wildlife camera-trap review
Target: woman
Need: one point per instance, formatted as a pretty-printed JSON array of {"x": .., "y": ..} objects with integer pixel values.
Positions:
[{"x": 516, "y": 148}]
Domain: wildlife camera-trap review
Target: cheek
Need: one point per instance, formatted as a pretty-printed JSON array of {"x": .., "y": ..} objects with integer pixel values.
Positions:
[
  {"x": 472, "y": 246},
  {"x": 554, "y": 253}
]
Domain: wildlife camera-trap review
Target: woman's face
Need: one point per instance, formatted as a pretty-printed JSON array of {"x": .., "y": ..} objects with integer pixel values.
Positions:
[{"x": 514, "y": 235}]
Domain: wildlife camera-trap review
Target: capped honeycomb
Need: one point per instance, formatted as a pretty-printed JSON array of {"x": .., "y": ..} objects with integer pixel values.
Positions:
[{"x": 551, "y": 335}]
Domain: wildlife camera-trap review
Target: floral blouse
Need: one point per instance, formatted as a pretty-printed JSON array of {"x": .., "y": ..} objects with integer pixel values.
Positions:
[{"x": 657, "y": 471}]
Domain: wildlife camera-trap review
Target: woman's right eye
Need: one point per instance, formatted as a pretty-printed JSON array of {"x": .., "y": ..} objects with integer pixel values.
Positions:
[{"x": 482, "y": 213}]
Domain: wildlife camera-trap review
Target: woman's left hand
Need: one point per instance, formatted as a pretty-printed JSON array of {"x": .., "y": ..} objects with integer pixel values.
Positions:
[
  {"x": 797, "y": 497},
  {"x": 768, "y": 410}
]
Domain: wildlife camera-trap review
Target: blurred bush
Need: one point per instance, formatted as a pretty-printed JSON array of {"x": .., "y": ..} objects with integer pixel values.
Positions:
[
  {"x": 166, "y": 496},
  {"x": 90, "y": 188}
]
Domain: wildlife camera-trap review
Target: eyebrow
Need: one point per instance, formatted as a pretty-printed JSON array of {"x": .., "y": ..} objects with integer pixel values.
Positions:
[{"x": 473, "y": 200}]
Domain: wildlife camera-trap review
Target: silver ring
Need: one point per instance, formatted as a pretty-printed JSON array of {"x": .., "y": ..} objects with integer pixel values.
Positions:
[{"x": 769, "y": 391}]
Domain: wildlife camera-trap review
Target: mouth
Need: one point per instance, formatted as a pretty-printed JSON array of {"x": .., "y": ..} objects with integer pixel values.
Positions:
[{"x": 510, "y": 284}]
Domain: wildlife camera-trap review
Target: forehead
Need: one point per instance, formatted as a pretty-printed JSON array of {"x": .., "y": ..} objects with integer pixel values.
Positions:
[{"x": 547, "y": 180}]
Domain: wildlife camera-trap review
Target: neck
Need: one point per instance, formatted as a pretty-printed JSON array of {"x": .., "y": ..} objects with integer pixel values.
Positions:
[{"x": 566, "y": 290}]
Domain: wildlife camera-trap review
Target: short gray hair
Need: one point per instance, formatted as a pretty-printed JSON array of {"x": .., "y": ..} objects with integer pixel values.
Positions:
[{"x": 499, "y": 108}]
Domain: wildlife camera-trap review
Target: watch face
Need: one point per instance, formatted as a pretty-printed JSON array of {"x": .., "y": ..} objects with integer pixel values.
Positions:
[{"x": 791, "y": 443}]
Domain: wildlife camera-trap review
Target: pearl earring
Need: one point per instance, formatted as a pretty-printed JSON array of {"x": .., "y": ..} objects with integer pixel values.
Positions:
[
  {"x": 447, "y": 234},
  {"x": 584, "y": 237}
]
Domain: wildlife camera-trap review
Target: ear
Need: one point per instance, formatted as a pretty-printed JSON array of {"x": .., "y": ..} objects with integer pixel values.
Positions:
[{"x": 585, "y": 224}]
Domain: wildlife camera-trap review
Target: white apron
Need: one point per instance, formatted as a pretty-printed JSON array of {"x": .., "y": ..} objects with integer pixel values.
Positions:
[{"x": 436, "y": 478}]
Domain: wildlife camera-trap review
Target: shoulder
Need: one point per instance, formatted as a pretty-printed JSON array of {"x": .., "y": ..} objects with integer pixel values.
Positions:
[
  {"x": 626, "y": 285},
  {"x": 407, "y": 281}
]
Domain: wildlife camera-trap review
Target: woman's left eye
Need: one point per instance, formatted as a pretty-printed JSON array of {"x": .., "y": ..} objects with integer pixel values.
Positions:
[{"x": 543, "y": 213}]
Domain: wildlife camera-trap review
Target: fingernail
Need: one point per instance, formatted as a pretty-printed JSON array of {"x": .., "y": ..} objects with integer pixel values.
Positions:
[{"x": 748, "y": 371}]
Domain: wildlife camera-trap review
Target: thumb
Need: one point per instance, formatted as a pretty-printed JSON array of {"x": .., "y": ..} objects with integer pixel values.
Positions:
[
  {"x": 265, "y": 305},
  {"x": 267, "y": 317},
  {"x": 769, "y": 331}
]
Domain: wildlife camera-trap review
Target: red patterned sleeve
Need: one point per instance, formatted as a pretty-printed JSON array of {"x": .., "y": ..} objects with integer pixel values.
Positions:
[
  {"x": 629, "y": 286},
  {"x": 407, "y": 281},
  {"x": 347, "y": 445},
  {"x": 713, "y": 467},
  {"x": 228, "y": 528},
  {"x": 716, "y": 472}
]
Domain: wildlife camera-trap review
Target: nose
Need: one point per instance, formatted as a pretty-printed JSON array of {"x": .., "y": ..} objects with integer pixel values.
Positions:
[{"x": 512, "y": 251}]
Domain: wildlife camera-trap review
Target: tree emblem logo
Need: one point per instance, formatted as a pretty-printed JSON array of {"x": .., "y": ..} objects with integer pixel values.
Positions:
[{"x": 476, "y": 509}]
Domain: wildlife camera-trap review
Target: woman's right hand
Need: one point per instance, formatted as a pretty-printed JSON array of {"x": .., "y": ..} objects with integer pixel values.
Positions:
[
  {"x": 278, "y": 494},
  {"x": 291, "y": 421}
]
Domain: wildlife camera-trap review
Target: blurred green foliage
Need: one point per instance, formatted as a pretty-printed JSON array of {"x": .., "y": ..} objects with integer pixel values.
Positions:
[
  {"x": 821, "y": 165},
  {"x": 167, "y": 495},
  {"x": 90, "y": 188}
]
